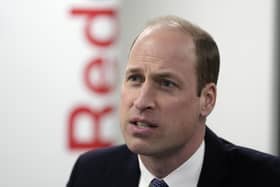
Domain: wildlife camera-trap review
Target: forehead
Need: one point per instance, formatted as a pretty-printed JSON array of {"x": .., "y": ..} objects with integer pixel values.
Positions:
[{"x": 163, "y": 46}]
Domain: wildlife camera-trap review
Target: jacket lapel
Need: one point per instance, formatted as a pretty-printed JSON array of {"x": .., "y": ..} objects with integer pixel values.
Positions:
[
  {"x": 214, "y": 170},
  {"x": 128, "y": 172}
]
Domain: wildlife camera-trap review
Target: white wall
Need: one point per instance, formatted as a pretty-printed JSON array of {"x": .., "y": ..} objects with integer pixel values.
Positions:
[
  {"x": 42, "y": 56},
  {"x": 42, "y": 59}
]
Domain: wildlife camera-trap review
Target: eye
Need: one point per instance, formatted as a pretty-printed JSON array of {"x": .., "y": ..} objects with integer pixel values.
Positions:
[
  {"x": 165, "y": 83},
  {"x": 135, "y": 78}
]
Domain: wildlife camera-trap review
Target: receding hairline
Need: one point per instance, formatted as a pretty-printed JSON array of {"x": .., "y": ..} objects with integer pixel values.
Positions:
[{"x": 176, "y": 23}]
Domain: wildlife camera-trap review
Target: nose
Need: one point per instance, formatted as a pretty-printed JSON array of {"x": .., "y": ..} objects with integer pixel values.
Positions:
[{"x": 145, "y": 100}]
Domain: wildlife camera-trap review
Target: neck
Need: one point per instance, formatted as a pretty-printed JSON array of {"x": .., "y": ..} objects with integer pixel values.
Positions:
[{"x": 161, "y": 166}]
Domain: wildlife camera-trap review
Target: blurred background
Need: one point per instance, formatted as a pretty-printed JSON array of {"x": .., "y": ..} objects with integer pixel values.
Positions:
[{"x": 61, "y": 65}]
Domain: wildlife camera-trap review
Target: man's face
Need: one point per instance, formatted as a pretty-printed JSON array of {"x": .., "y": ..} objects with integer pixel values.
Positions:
[{"x": 159, "y": 108}]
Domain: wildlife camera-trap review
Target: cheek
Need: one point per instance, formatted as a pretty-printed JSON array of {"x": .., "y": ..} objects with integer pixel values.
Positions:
[
  {"x": 126, "y": 99},
  {"x": 123, "y": 109},
  {"x": 180, "y": 125},
  {"x": 187, "y": 112}
]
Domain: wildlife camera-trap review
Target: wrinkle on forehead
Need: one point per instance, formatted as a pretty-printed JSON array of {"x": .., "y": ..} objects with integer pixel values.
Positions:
[
  {"x": 165, "y": 42},
  {"x": 154, "y": 55}
]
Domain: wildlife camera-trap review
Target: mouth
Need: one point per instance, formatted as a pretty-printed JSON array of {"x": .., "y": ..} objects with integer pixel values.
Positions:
[{"x": 143, "y": 124}]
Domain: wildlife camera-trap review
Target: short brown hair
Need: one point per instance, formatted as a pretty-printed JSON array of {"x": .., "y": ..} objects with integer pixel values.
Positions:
[{"x": 207, "y": 53}]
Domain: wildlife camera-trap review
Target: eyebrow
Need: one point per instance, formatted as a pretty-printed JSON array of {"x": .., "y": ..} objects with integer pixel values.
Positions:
[
  {"x": 156, "y": 75},
  {"x": 168, "y": 75},
  {"x": 133, "y": 70},
  {"x": 164, "y": 74}
]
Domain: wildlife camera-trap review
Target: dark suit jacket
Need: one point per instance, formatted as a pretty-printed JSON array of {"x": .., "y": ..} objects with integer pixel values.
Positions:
[{"x": 224, "y": 165}]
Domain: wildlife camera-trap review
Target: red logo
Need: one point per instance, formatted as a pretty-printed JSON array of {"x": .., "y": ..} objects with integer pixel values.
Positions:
[{"x": 101, "y": 84}]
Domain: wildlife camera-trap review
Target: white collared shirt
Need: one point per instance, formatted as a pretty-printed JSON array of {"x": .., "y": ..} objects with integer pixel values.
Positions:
[{"x": 185, "y": 175}]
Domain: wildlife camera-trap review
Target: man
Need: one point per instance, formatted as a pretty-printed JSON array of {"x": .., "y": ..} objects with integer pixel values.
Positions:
[{"x": 168, "y": 91}]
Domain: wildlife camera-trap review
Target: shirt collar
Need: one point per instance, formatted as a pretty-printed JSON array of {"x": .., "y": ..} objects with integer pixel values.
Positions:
[{"x": 185, "y": 175}]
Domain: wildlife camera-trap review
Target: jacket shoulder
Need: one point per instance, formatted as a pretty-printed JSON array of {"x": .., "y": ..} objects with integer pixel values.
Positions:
[
  {"x": 110, "y": 154},
  {"x": 242, "y": 156},
  {"x": 227, "y": 164},
  {"x": 253, "y": 160},
  {"x": 105, "y": 160},
  {"x": 102, "y": 166},
  {"x": 251, "y": 167}
]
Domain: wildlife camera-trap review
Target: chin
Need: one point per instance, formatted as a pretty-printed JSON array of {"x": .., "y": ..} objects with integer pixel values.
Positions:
[{"x": 138, "y": 147}]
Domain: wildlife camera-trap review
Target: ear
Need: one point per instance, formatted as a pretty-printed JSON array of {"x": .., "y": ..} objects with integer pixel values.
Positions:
[{"x": 208, "y": 99}]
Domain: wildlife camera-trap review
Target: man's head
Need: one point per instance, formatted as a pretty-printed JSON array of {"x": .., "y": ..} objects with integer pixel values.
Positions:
[
  {"x": 168, "y": 91},
  {"x": 206, "y": 50}
]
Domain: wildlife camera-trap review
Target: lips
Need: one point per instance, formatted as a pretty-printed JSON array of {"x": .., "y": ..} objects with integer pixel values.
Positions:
[{"x": 140, "y": 123}]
